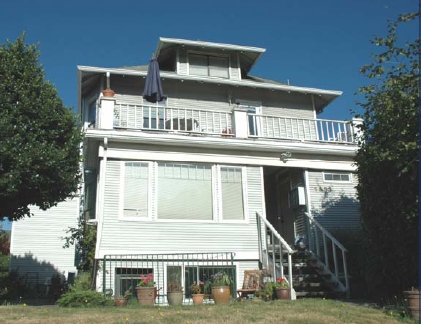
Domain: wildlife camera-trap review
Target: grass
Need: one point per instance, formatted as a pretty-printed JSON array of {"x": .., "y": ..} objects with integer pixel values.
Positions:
[{"x": 309, "y": 311}]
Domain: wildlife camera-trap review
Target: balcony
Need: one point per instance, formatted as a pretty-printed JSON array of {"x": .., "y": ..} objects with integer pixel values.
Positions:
[{"x": 236, "y": 124}]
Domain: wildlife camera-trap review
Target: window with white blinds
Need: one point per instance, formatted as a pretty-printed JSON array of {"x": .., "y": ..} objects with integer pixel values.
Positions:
[
  {"x": 184, "y": 191},
  {"x": 232, "y": 193},
  {"x": 136, "y": 176},
  {"x": 205, "y": 65}
]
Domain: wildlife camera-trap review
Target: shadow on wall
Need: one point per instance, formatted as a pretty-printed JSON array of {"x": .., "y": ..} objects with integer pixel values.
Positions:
[
  {"x": 338, "y": 212},
  {"x": 33, "y": 281}
]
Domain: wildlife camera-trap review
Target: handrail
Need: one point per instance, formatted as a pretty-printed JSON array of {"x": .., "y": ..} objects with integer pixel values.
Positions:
[
  {"x": 335, "y": 244},
  {"x": 283, "y": 245},
  {"x": 326, "y": 232}
]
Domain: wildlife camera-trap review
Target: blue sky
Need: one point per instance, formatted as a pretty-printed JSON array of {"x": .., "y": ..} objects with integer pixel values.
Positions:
[{"x": 320, "y": 44}]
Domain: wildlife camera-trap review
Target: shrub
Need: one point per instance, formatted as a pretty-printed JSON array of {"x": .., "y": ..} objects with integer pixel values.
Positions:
[
  {"x": 87, "y": 298},
  {"x": 82, "y": 282}
]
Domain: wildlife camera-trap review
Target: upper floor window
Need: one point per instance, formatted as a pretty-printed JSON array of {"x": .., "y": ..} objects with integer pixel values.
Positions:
[
  {"x": 344, "y": 177},
  {"x": 207, "y": 65}
]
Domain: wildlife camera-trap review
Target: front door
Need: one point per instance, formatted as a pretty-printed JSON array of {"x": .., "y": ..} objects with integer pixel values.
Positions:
[
  {"x": 254, "y": 109},
  {"x": 285, "y": 213}
]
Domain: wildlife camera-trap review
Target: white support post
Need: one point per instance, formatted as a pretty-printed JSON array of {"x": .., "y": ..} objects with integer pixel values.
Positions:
[
  {"x": 106, "y": 113},
  {"x": 241, "y": 124},
  {"x": 356, "y": 132}
]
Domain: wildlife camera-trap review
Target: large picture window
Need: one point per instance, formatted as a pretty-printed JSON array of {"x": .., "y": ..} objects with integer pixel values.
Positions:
[
  {"x": 206, "y": 65},
  {"x": 232, "y": 193},
  {"x": 136, "y": 175},
  {"x": 185, "y": 191}
]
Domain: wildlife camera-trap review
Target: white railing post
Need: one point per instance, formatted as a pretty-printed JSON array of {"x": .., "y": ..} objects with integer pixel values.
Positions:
[
  {"x": 106, "y": 113},
  {"x": 325, "y": 250}
]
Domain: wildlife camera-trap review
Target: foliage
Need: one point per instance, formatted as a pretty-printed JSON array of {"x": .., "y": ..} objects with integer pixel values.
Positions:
[
  {"x": 281, "y": 283},
  {"x": 83, "y": 298},
  {"x": 174, "y": 284},
  {"x": 197, "y": 288},
  {"x": 387, "y": 161},
  {"x": 84, "y": 236},
  {"x": 221, "y": 279},
  {"x": 82, "y": 282},
  {"x": 40, "y": 137},
  {"x": 269, "y": 290},
  {"x": 146, "y": 281}
]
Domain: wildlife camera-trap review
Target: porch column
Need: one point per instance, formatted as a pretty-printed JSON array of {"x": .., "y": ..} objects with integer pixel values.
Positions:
[
  {"x": 356, "y": 132},
  {"x": 241, "y": 124},
  {"x": 106, "y": 113}
]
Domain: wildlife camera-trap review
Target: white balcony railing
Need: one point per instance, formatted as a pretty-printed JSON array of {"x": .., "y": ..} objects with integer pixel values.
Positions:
[
  {"x": 218, "y": 123},
  {"x": 172, "y": 119},
  {"x": 324, "y": 130}
]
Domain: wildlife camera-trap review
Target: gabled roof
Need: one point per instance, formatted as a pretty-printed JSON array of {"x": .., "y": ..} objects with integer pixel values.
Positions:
[{"x": 248, "y": 55}]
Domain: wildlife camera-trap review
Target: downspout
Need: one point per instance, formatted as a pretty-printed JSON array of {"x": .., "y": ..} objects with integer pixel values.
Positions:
[
  {"x": 308, "y": 205},
  {"x": 103, "y": 172}
]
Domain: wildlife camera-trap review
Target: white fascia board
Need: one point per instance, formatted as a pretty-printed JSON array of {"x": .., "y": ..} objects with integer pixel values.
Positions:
[
  {"x": 209, "y": 45},
  {"x": 220, "y": 143},
  {"x": 235, "y": 83}
]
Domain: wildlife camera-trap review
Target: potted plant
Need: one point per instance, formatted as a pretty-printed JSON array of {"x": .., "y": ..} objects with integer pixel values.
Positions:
[
  {"x": 197, "y": 293},
  {"x": 146, "y": 290},
  {"x": 221, "y": 292},
  {"x": 413, "y": 300},
  {"x": 121, "y": 300},
  {"x": 282, "y": 288},
  {"x": 175, "y": 290}
]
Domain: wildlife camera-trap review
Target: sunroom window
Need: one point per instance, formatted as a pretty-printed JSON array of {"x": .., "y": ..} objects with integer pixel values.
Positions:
[
  {"x": 207, "y": 65},
  {"x": 185, "y": 191},
  {"x": 136, "y": 189},
  {"x": 232, "y": 193}
]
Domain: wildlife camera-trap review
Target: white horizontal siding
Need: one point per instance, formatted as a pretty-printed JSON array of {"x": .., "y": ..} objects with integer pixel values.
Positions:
[
  {"x": 176, "y": 237},
  {"x": 334, "y": 204},
  {"x": 37, "y": 242}
]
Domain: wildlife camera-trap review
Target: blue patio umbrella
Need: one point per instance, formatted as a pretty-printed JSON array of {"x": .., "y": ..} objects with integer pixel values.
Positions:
[{"x": 153, "y": 87}]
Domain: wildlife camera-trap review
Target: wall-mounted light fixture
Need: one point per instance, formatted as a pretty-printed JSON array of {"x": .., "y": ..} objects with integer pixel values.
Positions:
[{"x": 285, "y": 156}]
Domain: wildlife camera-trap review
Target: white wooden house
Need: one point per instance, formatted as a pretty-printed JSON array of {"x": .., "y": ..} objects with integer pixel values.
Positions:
[{"x": 227, "y": 172}]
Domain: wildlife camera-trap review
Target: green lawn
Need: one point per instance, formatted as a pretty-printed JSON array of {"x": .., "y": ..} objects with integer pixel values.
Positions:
[{"x": 309, "y": 311}]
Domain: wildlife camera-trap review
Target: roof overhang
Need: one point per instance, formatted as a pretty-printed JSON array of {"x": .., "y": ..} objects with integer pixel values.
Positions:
[
  {"x": 249, "y": 55},
  {"x": 321, "y": 97}
]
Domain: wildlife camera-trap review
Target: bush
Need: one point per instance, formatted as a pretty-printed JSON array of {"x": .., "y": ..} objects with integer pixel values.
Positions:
[
  {"x": 87, "y": 298},
  {"x": 82, "y": 282}
]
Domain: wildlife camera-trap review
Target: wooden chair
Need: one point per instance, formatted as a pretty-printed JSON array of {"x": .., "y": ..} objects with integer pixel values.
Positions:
[{"x": 253, "y": 281}]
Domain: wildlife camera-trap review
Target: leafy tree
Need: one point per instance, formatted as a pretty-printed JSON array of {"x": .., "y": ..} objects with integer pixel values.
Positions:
[
  {"x": 387, "y": 161},
  {"x": 39, "y": 136}
]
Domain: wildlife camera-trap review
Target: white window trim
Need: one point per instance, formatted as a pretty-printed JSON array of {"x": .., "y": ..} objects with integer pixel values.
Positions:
[
  {"x": 122, "y": 187},
  {"x": 209, "y": 54},
  {"x": 221, "y": 219},
  {"x": 213, "y": 191},
  {"x": 338, "y": 181}
]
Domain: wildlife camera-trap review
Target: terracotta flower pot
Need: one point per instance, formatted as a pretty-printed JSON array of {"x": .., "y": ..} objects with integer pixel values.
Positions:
[
  {"x": 119, "y": 302},
  {"x": 146, "y": 295},
  {"x": 108, "y": 93},
  {"x": 282, "y": 293},
  {"x": 413, "y": 301},
  {"x": 197, "y": 298},
  {"x": 221, "y": 295}
]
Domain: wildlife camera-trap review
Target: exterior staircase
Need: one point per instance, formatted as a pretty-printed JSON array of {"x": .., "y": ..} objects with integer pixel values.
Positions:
[{"x": 316, "y": 270}]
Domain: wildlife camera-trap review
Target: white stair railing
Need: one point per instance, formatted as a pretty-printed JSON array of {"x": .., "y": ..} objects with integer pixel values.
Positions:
[
  {"x": 325, "y": 247},
  {"x": 272, "y": 248}
]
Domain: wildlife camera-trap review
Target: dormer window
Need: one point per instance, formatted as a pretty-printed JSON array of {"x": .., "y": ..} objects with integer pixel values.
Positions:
[{"x": 208, "y": 65}]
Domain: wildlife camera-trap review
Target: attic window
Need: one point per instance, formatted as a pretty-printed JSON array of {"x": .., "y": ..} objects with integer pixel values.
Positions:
[{"x": 207, "y": 65}]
